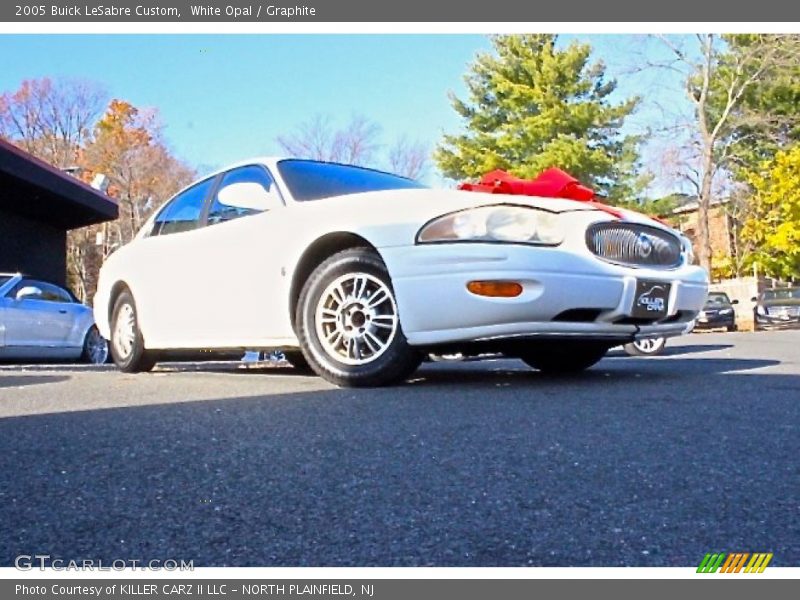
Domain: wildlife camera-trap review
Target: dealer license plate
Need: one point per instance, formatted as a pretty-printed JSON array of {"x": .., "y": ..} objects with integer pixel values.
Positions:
[{"x": 651, "y": 300}]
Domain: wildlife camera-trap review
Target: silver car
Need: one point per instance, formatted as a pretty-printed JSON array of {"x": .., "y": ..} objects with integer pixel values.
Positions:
[{"x": 40, "y": 320}]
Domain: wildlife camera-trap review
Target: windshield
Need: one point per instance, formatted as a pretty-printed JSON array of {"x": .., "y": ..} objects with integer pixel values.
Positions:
[
  {"x": 782, "y": 294},
  {"x": 717, "y": 298},
  {"x": 312, "y": 180}
]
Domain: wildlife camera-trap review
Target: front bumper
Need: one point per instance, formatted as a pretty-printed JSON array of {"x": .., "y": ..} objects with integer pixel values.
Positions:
[
  {"x": 715, "y": 321},
  {"x": 436, "y": 307},
  {"x": 770, "y": 322}
]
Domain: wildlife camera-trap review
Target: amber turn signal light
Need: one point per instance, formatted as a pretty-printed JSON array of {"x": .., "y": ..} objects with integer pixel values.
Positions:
[{"x": 495, "y": 289}]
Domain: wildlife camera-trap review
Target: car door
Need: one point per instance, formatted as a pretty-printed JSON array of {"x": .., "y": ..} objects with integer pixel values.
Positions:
[
  {"x": 164, "y": 292},
  {"x": 36, "y": 316},
  {"x": 80, "y": 316},
  {"x": 236, "y": 267}
]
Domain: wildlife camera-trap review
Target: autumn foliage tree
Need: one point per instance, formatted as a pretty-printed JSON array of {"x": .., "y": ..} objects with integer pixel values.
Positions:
[
  {"x": 772, "y": 228},
  {"x": 125, "y": 147},
  {"x": 742, "y": 89},
  {"x": 57, "y": 121}
]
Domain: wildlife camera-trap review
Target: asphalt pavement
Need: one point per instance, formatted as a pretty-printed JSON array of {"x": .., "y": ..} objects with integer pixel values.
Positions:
[{"x": 639, "y": 461}]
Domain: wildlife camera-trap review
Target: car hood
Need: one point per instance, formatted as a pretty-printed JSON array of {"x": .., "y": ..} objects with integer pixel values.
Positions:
[{"x": 411, "y": 208}]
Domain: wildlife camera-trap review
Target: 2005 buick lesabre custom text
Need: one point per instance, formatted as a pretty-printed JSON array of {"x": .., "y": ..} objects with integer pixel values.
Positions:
[{"x": 358, "y": 274}]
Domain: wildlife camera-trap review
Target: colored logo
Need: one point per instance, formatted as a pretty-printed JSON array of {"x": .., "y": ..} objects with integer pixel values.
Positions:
[
  {"x": 651, "y": 301},
  {"x": 735, "y": 562},
  {"x": 644, "y": 245}
]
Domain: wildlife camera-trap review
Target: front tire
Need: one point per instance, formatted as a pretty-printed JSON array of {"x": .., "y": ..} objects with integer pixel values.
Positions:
[
  {"x": 127, "y": 343},
  {"x": 564, "y": 359},
  {"x": 348, "y": 323},
  {"x": 297, "y": 360},
  {"x": 646, "y": 347}
]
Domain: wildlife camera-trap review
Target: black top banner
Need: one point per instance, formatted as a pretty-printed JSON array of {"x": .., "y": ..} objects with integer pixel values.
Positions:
[{"x": 466, "y": 11}]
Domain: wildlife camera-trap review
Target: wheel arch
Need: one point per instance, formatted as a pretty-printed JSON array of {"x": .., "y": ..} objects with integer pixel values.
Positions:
[
  {"x": 317, "y": 252},
  {"x": 116, "y": 289}
]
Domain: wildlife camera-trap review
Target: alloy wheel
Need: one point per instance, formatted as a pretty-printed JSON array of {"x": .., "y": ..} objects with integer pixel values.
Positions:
[
  {"x": 124, "y": 336},
  {"x": 648, "y": 345},
  {"x": 356, "y": 318},
  {"x": 96, "y": 347}
]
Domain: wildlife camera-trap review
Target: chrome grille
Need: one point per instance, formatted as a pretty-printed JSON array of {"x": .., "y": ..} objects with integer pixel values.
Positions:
[
  {"x": 634, "y": 245},
  {"x": 783, "y": 311}
]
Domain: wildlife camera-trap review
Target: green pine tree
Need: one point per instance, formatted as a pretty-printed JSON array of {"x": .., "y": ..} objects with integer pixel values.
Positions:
[{"x": 532, "y": 106}]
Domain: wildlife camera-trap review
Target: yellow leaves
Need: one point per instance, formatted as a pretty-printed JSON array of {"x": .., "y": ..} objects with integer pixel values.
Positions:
[
  {"x": 722, "y": 266},
  {"x": 773, "y": 225}
]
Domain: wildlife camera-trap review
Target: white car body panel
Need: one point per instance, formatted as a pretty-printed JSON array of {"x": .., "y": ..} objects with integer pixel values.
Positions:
[
  {"x": 228, "y": 285},
  {"x": 31, "y": 329}
]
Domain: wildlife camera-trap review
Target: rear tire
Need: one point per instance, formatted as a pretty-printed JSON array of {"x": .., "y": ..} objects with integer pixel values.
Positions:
[
  {"x": 127, "y": 343},
  {"x": 348, "y": 324},
  {"x": 563, "y": 359}
]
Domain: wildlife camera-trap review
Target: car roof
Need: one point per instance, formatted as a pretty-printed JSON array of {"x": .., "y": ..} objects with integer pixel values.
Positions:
[
  {"x": 272, "y": 161},
  {"x": 269, "y": 161}
]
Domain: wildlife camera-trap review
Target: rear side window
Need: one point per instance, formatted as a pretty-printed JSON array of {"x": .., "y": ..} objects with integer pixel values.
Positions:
[
  {"x": 53, "y": 293},
  {"x": 183, "y": 211}
]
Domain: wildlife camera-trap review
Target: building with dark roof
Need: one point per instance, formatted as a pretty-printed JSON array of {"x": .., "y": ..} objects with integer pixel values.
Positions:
[{"x": 38, "y": 205}]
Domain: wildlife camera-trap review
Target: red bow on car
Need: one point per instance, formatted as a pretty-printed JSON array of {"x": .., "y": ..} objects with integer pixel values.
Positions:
[{"x": 552, "y": 183}]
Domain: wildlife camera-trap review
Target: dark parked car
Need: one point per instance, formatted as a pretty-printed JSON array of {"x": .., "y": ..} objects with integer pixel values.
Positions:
[
  {"x": 777, "y": 308},
  {"x": 717, "y": 313}
]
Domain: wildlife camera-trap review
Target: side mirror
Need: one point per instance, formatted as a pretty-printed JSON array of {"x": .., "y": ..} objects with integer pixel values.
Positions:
[
  {"x": 735, "y": 301},
  {"x": 29, "y": 292},
  {"x": 754, "y": 299},
  {"x": 249, "y": 196}
]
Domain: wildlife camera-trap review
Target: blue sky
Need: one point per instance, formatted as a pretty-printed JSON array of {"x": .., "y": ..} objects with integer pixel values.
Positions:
[{"x": 223, "y": 98}]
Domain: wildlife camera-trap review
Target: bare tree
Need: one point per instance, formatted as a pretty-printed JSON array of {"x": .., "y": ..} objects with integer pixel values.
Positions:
[
  {"x": 51, "y": 119},
  {"x": 318, "y": 139},
  {"x": 409, "y": 159},
  {"x": 57, "y": 121},
  {"x": 717, "y": 79}
]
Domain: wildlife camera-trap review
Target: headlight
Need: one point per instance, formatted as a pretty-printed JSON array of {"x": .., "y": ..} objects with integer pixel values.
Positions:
[
  {"x": 726, "y": 311},
  {"x": 502, "y": 223},
  {"x": 688, "y": 250},
  {"x": 761, "y": 310}
]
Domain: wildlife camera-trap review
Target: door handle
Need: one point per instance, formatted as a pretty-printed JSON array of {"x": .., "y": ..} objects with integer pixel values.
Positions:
[{"x": 63, "y": 311}]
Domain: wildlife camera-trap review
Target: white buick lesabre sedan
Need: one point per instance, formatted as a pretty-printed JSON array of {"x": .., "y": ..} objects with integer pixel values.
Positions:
[{"x": 359, "y": 273}]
